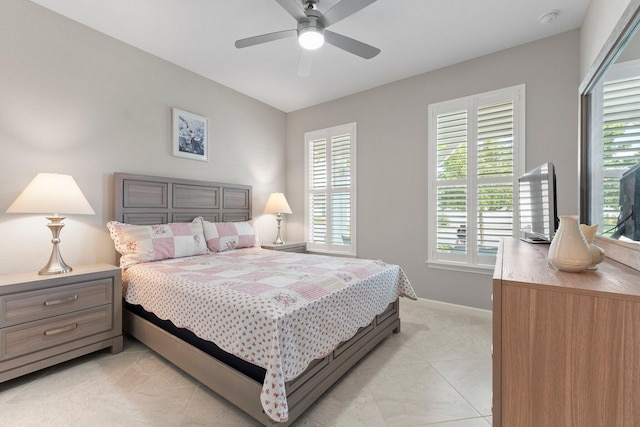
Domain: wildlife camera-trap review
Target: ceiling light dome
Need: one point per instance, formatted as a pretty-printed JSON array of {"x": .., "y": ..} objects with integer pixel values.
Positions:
[
  {"x": 549, "y": 18},
  {"x": 310, "y": 38}
]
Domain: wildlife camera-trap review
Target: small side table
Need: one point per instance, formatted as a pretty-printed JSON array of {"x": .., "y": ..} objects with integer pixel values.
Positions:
[
  {"x": 300, "y": 247},
  {"x": 46, "y": 320}
]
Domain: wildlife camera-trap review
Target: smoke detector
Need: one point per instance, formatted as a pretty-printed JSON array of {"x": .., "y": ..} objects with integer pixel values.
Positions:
[{"x": 549, "y": 18}]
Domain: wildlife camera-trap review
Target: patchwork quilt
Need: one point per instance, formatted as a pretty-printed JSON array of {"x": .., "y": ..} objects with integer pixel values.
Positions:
[{"x": 276, "y": 310}]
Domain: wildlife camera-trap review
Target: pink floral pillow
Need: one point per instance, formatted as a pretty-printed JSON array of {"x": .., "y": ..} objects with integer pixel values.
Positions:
[
  {"x": 224, "y": 236},
  {"x": 143, "y": 243}
]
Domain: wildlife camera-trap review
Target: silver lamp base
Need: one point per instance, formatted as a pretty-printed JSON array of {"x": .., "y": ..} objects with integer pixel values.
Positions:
[
  {"x": 56, "y": 264},
  {"x": 279, "y": 240}
]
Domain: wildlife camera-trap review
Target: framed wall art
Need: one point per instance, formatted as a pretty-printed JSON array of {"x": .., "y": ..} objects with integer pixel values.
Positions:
[{"x": 190, "y": 135}]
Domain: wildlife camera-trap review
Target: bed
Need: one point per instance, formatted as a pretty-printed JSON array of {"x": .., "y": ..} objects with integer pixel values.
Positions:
[{"x": 240, "y": 319}]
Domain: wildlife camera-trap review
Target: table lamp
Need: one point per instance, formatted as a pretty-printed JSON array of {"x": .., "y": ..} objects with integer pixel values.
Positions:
[
  {"x": 52, "y": 193},
  {"x": 277, "y": 204}
]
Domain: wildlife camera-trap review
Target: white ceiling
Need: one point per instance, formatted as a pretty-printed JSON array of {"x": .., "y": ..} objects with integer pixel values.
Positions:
[{"x": 415, "y": 36}]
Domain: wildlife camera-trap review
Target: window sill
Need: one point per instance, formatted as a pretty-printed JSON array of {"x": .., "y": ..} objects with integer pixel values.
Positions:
[{"x": 457, "y": 266}]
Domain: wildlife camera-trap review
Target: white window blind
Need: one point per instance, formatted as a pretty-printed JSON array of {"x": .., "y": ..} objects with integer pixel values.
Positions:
[
  {"x": 617, "y": 129},
  {"x": 476, "y": 155},
  {"x": 330, "y": 189}
]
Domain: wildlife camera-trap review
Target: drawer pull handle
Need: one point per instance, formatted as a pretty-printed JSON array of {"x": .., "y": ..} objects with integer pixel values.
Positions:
[
  {"x": 61, "y": 300},
  {"x": 61, "y": 330}
]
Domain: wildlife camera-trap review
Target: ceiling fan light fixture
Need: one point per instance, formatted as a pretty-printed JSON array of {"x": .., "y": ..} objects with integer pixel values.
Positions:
[{"x": 310, "y": 38}]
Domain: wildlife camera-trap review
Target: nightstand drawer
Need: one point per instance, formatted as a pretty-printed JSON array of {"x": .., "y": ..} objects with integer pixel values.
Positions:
[
  {"x": 34, "y": 336},
  {"x": 34, "y": 305}
]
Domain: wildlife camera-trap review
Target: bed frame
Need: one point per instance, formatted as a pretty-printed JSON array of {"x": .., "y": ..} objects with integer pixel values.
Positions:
[{"x": 150, "y": 200}]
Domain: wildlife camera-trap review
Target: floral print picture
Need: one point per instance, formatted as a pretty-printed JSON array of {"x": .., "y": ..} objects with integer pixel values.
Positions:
[{"x": 190, "y": 135}]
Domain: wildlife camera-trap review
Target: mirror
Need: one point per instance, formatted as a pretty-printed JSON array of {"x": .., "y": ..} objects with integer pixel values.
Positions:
[{"x": 610, "y": 137}]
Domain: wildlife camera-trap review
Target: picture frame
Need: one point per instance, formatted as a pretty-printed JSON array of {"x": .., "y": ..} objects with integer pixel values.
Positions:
[{"x": 190, "y": 135}]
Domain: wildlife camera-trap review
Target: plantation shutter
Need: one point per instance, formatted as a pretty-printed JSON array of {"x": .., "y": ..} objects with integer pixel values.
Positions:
[
  {"x": 620, "y": 135},
  {"x": 341, "y": 184},
  {"x": 452, "y": 183},
  {"x": 331, "y": 190},
  {"x": 495, "y": 166},
  {"x": 318, "y": 196},
  {"x": 474, "y": 147}
]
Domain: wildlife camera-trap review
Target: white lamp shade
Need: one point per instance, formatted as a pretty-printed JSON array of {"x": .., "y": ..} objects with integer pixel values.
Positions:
[
  {"x": 277, "y": 203},
  {"x": 51, "y": 193}
]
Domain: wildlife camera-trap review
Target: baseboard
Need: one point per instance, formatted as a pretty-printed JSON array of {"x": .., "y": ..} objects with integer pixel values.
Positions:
[{"x": 455, "y": 307}]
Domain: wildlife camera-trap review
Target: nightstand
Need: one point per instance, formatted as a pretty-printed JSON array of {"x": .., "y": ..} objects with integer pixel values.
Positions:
[
  {"x": 45, "y": 320},
  {"x": 300, "y": 247}
]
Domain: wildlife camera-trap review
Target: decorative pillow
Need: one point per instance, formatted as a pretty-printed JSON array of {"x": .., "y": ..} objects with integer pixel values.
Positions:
[
  {"x": 224, "y": 236},
  {"x": 143, "y": 243}
]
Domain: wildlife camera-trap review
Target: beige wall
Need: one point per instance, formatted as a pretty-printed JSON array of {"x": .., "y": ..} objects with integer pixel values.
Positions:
[
  {"x": 392, "y": 152},
  {"x": 599, "y": 21},
  {"x": 75, "y": 101}
]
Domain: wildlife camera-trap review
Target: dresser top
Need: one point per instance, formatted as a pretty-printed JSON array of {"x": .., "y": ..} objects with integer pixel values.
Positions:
[
  {"x": 32, "y": 280},
  {"x": 526, "y": 264}
]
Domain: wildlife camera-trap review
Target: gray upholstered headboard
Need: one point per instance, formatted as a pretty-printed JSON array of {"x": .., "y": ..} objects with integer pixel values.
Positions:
[{"x": 146, "y": 200}]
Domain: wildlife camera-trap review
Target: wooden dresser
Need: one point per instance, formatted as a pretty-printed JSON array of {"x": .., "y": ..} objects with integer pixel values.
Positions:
[
  {"x": 45, "y": 320},
  {"x": 566, "y": 346}
]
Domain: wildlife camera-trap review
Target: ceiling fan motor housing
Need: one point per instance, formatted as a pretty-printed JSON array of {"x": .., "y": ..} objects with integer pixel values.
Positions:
[{"x": 313, "y": 21}]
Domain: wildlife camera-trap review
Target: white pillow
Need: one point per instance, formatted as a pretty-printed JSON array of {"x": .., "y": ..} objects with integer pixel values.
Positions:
[
  {"x": 224, "y": 236},
  {"x": 144, "y": 243}
]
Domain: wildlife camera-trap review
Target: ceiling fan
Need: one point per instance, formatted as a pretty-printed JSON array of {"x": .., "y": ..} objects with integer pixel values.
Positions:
[{"x": 312, "y": 32}]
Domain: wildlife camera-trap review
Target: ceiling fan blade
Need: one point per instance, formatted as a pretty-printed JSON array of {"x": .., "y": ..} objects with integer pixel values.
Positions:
[
  {"x": 304, "y": 63},
  {"x": 264, "y": 38},
  {"x": 363, "y": 50},
  {"x": 294, "y": 8},
  {"x": 342, "y": 10}
]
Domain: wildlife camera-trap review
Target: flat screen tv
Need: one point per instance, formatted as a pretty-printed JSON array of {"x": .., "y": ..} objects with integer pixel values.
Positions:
[
  {"x": 538, "y": 204},
  {"x": 628, "y": 224}
]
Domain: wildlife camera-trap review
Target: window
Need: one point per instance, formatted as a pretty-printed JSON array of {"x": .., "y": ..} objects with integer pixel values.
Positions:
[
  {"x": 330, "y": 189},
  {"x": 476, "y": 154},
  {"x": 616, "y": 137}
]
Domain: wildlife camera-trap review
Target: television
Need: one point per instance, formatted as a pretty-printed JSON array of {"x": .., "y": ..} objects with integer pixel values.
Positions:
[
  {"x": 628, "y": 224},
  {"x": 538, "y": 204}
]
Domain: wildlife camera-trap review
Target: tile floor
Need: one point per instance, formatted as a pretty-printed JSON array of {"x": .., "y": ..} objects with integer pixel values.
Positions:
[{"x": 436, "y": 372}]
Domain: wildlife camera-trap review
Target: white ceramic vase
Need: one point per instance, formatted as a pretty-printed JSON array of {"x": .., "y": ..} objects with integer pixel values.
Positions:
[
  {"x": 597, "y": 253},
  {"x": 569, "y": 250}
]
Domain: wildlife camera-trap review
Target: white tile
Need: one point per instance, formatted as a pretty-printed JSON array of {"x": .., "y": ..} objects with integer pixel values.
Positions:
[
  {"x": 10, "y": 389},
  {"x": 416, "y": 394},
  {"x": 470, "y": 422},
  {"x": 459, "y": 342},
  {"x": 330, "y": 411},
  {"x": 471, "y": 378}
]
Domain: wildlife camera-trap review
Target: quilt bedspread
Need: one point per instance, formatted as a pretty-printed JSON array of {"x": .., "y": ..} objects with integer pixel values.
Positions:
[{"x": 277, "y": 310}]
